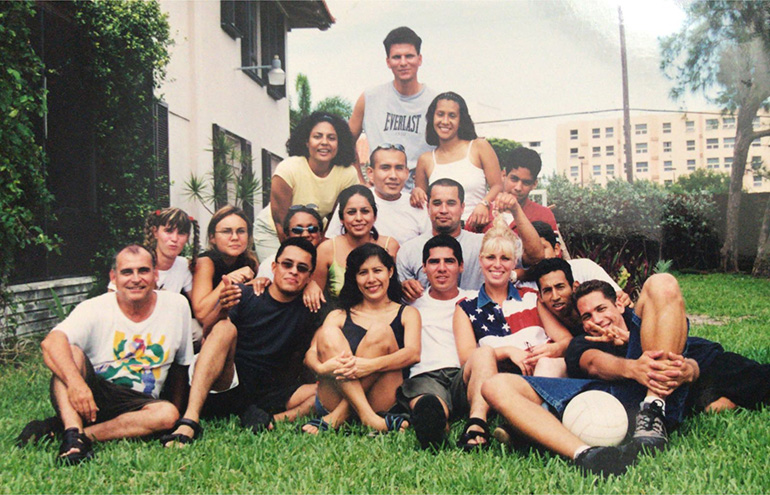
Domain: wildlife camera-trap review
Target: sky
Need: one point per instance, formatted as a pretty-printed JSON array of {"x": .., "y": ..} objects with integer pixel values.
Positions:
[{"x": 510, "y": 59}]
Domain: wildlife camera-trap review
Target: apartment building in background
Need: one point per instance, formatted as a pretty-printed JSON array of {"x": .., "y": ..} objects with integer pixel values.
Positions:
[{"x": 664, "y": 147}]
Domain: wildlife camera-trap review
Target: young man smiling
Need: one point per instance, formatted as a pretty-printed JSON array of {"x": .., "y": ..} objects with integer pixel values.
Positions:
[
  {"x": 396, "y": 217},
  {"x": 438, "y": 389},
  {"x": 394, "y": 112},
  {"x": 250, "y": 361}
]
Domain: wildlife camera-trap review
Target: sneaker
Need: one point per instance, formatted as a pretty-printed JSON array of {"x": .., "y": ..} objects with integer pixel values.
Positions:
[
  {"x": 429, "y": 422},
  {"x": 603, "y": 461},
  {"x": 650, "y": 429}
]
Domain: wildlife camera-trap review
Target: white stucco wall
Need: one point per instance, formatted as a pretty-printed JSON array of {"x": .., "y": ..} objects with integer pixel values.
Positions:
[{"x": 203, "y": 88}]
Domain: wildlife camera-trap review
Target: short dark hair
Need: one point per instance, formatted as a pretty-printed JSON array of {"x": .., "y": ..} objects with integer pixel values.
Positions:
[
  {"x": 447, "y": 182},
  {"x": 595, "y": 286},
  {"x": 133, "y": 249},
  {"x": 521, "y": 157},
  {"x": 378, "y": 149},
  {"x": 301, "y": 243},
  {"x": 301, "y": 209},
  {"x": 442, "y": 240},
  {"x": 402, "y": 35},
  {"x": 466, "y": 130},
  {"x": 297, "y": 143},
  {"x": 550, "y": 265},
  {"x": 350, "y": 295},
  {"x": 546, "y": 232}
]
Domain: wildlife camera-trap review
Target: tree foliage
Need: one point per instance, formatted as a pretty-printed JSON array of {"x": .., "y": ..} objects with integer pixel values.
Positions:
[
  {"x": 129, "y": 52},
  {"x": 503, "y": 148},
  {"x": 333, "y": 104},
  {"x": 24, "y": 197},
  {"x": 723, "y": 50},
  {"x": 702, "y": 180}
]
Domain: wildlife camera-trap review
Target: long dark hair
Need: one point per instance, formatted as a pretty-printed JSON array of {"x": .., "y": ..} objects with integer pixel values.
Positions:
[
  {"x": 297, "y": 143},
  {"x": 175, "y": 219},
  {"x": 350, "y": 295},
  {"x": 349, "y": 192},
  {"x": 466, "y": 131}
]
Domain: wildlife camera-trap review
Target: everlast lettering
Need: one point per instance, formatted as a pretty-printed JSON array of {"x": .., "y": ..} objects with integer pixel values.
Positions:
[{"x": 407, "y": 123}]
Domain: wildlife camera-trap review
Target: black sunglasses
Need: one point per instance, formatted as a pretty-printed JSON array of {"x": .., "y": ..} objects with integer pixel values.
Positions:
[
  {"x": 311, "y": 229},
  {"x": 310, "y": 206},
  {"x": 288, "y": 265}
]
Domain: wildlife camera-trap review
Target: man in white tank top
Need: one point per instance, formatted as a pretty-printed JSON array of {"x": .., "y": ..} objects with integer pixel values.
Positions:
[{"x": 394, "y": 112}]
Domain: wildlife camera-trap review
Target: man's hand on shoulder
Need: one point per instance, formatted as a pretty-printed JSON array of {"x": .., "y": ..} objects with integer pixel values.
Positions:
[{"x": 413, "y": 290}]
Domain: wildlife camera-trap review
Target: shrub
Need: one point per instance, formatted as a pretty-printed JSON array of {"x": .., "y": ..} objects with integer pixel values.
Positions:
[
  {"x": 24, "y": 197},
  {"x": 690, "y": 231}
]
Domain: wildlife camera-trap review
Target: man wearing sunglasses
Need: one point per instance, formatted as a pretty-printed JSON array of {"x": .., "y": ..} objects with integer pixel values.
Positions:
[
  {"x": 521, "y": 167},
  {"x": 251, "y": 360},
  {"x": 395, "y": 111},
  {"x": 396, "y": 217},
  {"x": 301, "y": 221}
]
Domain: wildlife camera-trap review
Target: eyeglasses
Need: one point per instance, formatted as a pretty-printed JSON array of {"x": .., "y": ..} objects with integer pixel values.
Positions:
[
  {"x": 311, "y": 229},
  {"x": 526, "y": 182},
  {"x": 389, "y": 146},
  {"x": 288, "y": 265},
  {"x": 230, "y": 232},
  {"x": 311, "y": 206}
]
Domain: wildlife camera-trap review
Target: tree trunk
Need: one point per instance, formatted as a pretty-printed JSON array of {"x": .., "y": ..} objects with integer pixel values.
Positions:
[
  {"x": 743, "y": 137},
  {"x": 762, "y": 261}
]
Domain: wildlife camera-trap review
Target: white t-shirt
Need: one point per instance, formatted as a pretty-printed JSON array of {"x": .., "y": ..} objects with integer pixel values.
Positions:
[
  {"x": 583, "y": 270},
  {"x": 176, "y": 279},
  {"x": 135, "y": 355},
  {"x": 266, "y": 268},
  {"x": 397, "y": 219},
  {"x": 438, "y": 340}
]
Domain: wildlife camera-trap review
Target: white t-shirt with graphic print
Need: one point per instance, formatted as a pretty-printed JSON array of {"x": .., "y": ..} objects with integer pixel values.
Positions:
[{"x": 136, "y": 355}]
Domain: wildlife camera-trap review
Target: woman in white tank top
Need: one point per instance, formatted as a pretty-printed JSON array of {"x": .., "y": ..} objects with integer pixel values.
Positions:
[{"x": 460, "y": 155}]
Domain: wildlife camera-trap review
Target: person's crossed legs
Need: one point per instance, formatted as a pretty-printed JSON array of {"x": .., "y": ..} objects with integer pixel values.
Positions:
[{"x": 371, "y": 393}]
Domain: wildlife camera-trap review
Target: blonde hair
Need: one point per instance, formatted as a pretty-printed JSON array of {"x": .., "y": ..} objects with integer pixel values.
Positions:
[{"x": 500, "y": 238}]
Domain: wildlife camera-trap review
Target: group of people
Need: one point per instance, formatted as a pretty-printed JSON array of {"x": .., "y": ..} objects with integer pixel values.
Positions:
[{"x": 435, "y": 292}]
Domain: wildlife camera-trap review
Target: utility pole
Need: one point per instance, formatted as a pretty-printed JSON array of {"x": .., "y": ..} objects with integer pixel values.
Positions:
[{"x": 626, "y": 111}]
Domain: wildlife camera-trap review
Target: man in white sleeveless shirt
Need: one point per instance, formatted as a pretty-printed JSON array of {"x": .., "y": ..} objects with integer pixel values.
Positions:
[{"x": 394, "y": 112}]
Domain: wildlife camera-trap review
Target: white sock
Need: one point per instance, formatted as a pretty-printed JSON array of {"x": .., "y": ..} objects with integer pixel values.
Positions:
[
  {"x": 579, "y": 451},
  {"x": 653, "y": 398}
]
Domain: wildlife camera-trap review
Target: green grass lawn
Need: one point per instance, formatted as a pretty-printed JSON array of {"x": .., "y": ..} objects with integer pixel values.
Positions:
[{"x": 723, "y": 453}]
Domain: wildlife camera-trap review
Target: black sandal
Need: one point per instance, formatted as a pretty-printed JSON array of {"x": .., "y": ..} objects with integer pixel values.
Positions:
[
  {"x": 255, "y": 419},
  {"x": 39, "y": 429},
  {"x": 75, "y": 439},
  {"x": 468, "y": 435},
  {"x": 179, "y": 437}
]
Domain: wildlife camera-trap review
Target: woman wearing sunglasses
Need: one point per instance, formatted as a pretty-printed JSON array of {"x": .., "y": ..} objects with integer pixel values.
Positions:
[
  {"x": 357, "y": 212},
  {"x": 460, "y": 155},
  {"x": 320, "y": 149}
]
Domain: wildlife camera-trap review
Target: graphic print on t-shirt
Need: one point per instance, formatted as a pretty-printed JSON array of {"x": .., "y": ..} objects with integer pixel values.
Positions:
[{"x": 137, "y": 362}]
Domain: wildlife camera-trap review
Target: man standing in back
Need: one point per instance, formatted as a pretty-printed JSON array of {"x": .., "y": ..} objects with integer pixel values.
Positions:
[{"x": 394, "y": 112}]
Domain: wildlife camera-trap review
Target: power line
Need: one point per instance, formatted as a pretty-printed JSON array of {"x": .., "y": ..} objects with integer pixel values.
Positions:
[{"x": 590, "y": 112}]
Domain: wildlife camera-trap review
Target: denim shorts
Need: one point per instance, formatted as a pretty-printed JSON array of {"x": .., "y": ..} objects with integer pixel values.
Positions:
[{"x": 557, "y": 392}]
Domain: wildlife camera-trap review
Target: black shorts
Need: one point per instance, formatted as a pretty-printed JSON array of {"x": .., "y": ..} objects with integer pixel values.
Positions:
[
  {"x": 111, "y": 399},
  {"x": 273, "y": 400},
  {"x": 447, "y": 384},
  {"x": 740, "y": 379}
]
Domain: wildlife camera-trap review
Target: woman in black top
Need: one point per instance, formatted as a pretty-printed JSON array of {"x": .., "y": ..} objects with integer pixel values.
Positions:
[
  {"x": 230, "y": 253},
  {"x": 360, "y": 351}
]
